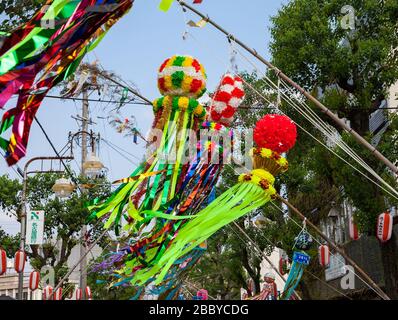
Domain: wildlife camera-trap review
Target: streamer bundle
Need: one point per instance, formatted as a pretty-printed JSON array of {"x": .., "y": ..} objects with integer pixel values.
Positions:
[
  {"x": 46, "y": 50},
  {"x": 161, "y": 197},
  {"x": 252, "y": 191}
]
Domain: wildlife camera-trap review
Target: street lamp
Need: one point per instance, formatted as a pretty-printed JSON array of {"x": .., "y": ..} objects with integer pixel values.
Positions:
[
  {"x": 25, "y": 174},
  {"x": 92, "y": 167},
  {"x": 63, "y": 188}
]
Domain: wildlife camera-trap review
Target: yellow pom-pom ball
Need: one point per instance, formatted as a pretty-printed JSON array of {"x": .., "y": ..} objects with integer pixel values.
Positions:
[{"x": 182, "y": 76}]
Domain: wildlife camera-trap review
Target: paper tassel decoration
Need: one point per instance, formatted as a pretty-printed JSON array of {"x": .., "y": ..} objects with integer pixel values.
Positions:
[
  {"x": 175, "y": 116},
  {"x": 227, "y": 99},
  {"x": 37, "y": 56},
  {"x": 300, "y": 261}
]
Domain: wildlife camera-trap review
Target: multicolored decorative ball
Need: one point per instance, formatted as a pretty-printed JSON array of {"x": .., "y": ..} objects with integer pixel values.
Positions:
[
  {"x": 182, "y": 76},
  {"x": 275, "y": 132}
]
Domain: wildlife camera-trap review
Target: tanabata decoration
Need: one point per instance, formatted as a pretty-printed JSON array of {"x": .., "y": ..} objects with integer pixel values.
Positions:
[
  {"x": 161, "y": 188},
  {"x": 270, "y": 289},
  {"x": 40, "y": 54},
  {"x": 275, "y": 132},
  {"x": 166, "y": 4},
  {"x": 168, "y": 207},
  {"x": 227, "y": 99},
  {"x": 300, "y": 261},
  {"x": 252, "y": 191},
  {"x": 302, "y": 242},
  {"x": 127, "y": 126},
  {"x": 178, "y": 115}
]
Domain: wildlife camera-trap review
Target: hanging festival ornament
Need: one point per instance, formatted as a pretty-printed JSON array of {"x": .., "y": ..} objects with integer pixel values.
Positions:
[
  {"x": 300, "y": 261},
  {"x": 202, "y": 294},
  {"x": 58, "y": 294},
  {"x": 34, "y": 280},
  {"x": 127, "y": 126},
  {"x": 252, "y": 191},
  {"x": 34, "y": 58},
  {"x": 88, "y": 293},
  {"x": 226, "y": 100},
  {"x": 270, "y": 286},
  {"x": 283, "y": 266},
  {"x": 384, "y": 226},
  {"x": 182, "y": 80},
  {"x": 78, "y": 294},
  {"x": 3, "y": 261},
  {"x": 166, "y": 4},
  {"x": 275, "y": 132},
  {"x": 353, "y": 229},
  {"x": 19, "y": 261},
  {"x": 303, "y": 241},
  {"x": 324, "y": 255},
  {"x": 71, "y": 293},
  {"x": 200, "y": 24},
  {"x": 47, "y": 292}
]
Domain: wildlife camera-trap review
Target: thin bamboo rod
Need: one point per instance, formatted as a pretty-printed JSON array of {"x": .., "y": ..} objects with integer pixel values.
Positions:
[
  {"x": 336, "y": 248},
  {"x": 316, "y": 102}
]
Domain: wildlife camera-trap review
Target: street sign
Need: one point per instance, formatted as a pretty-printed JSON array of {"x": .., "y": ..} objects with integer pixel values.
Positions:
[
  {"x": 35, "y": 227},
  {"x": 335, "y": 268}
]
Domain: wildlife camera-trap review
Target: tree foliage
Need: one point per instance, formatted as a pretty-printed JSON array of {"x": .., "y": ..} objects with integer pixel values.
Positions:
[
  {"x": 63, "y": 218},
  {"x": 16, "y": 12}
]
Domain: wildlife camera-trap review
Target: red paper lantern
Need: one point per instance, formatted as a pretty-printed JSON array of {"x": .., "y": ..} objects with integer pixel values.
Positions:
[
  {"x": 58, "y": 294},
  {"x": 203, "y": 294},
  {"x": 78, "y": 294},
  {"x": 19, "y": 261},
  {"x": 3, "y": 262},
  {"x": 354, "y": 234},
  {"x": 48, "y": 290},
  {"x": 34, "y": 280},
  {"x": 283, "y": 265},
  {"x": 324, "y": 255},
  {"x": 275, "y": 132},
  {"x": 384, "y": 227},
  {"x": 88, "y": 293}
]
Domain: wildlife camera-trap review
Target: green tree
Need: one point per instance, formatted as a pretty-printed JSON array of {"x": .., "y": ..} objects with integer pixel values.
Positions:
[
  {"x": 353, "y": 70},
  {"x": 63, "y": 218},
  {"x": 16, "y": 12}
]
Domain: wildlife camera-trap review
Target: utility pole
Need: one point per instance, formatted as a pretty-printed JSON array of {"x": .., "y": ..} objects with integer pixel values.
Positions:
[{"x": 83, "y": 254}]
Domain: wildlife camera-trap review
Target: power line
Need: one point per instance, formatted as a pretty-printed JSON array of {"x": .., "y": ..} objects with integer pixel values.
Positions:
[
  {"x": 58, "y": 155},
  {"x": 99, "y": 100}
]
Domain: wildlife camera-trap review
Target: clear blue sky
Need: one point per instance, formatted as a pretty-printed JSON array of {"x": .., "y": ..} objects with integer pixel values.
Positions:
[{"x": 134, "y": 48}]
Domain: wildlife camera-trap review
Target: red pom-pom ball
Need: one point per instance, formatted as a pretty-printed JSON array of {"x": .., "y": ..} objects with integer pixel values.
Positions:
[{"x": 275, "y": 132}]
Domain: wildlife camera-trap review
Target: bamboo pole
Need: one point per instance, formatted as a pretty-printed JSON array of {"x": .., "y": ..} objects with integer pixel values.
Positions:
[
  {"x": 263, "y": 255},
  {"x": 316, "y": 102},
  {"x": 336, "y": 248}
]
